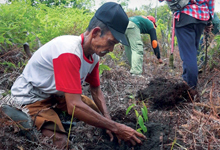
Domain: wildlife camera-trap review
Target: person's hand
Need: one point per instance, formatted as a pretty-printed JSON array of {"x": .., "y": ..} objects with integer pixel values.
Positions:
[
  {"x": 160, "y": 61},
  {"x": 208, "y": 27},
  {"x": 128, "y": 135},
  {"x": 108, "y": 131},
  {"x": 110, "y": 135}
]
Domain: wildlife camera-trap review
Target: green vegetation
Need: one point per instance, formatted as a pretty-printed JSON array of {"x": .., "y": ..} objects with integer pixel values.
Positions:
[
  {"x": 141, "y": 119},
  {"x": 103, "y": 67},
  {"x": 70, "y": 126},
  {"x": 21, "y": 22}
]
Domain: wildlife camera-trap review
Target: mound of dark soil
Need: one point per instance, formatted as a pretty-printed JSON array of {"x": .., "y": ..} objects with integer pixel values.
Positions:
[{"x": 164, "y": 93}]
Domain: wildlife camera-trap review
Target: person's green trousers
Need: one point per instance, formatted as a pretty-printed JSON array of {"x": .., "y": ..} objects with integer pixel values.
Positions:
[{"x": 134, "y": 53}]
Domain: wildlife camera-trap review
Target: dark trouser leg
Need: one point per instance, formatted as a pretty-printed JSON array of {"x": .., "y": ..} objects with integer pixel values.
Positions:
[{"x": 188, "y": 40}]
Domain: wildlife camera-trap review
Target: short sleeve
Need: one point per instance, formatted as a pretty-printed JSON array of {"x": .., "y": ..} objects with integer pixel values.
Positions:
[
  {"x": 93, "y": 77},
  {"x": 67, "y": 75}
]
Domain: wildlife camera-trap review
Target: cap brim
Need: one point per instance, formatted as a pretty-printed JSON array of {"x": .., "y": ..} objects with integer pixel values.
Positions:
[{"x": 119, "y": 36}]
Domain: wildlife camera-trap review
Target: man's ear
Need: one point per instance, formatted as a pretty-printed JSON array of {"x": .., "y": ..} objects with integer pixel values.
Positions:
[{"x": 96, "y": 32}]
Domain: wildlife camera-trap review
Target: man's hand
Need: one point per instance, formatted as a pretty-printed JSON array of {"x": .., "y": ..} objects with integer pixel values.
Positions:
[
  {"x": 160, "y": 61},
  {"x": 128, "y": 135},
  {"x": 84, "y": 113},
  {"x": 110, "y": 135},
  {"x": 208, "y": 27},
  {"x": 108, "y": 131}
]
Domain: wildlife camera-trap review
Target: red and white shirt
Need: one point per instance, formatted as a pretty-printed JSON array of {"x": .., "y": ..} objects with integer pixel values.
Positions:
[{"x": 58, "y": 67}]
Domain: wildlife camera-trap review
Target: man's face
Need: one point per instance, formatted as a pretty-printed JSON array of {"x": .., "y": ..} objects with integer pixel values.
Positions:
[{"x": 104, "y": 44}]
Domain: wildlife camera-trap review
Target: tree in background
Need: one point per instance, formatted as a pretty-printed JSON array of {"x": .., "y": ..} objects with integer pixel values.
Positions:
[{"x": 124, "y": 3}]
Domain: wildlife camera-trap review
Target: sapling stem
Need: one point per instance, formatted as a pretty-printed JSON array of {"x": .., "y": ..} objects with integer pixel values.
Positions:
[
  {"x": 54, "y": 138},
  {"x": 70, "y": 127}
]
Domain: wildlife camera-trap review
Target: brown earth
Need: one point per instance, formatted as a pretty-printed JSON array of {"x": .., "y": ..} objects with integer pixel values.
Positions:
[{"x": 174, "y": 121}]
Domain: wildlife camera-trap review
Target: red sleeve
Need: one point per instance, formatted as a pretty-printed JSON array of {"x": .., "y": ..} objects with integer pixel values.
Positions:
[
  {"x": 67, "y": 76},
  {"x": 93, "y": 77}
]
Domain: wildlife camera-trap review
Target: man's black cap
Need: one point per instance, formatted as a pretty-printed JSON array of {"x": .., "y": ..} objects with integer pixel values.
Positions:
[{"x": 113, "y": 15}]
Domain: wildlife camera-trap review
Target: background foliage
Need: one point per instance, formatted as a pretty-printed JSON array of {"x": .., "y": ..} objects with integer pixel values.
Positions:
[{"x": 21, "y": 22}]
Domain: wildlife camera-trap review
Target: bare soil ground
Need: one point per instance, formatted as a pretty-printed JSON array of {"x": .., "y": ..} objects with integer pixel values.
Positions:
[{"x": 174, "y": 120}]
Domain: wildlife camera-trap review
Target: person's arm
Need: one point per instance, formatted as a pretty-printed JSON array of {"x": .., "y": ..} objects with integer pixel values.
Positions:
[
  {"x": 99, "y": 100},
  {"x": 84, "y": 113},
  {"x": 154, "y": 43}
]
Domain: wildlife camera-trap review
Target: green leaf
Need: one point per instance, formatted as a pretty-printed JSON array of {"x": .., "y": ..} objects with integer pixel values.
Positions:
[
  {"x": 131, "y": 97},
  {"x": 139, "y": 130},
  {"x": 112, "y": 56},
  {"x": 129, "y": 108},
  {"x": 136, "y": 113},
  {"x": 144, "y": 115},
  {"x": 145, "y": 110},
  {"x": 103, "y": 67},
  {"x": 141, "y": 123}
]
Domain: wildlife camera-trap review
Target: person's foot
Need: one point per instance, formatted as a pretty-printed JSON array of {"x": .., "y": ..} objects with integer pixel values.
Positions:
[
  {"x": 59, "y": 139},
  {"x": 137, "y": 75},
  {"x": 22, "y": 119},
  {"x": 193, "y": 93}
]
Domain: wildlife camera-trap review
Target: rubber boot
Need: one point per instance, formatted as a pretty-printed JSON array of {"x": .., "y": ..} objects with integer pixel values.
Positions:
[{"x": 23, "y": 121}]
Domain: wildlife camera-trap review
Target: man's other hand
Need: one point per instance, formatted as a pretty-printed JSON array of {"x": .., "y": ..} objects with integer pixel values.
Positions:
[
  {"x": 128, "y": 135},
  {"x": 208, "y": 27}
]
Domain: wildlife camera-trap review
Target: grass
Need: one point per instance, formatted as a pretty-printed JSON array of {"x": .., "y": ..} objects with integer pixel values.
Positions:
[{"x": 70, "y": 127}]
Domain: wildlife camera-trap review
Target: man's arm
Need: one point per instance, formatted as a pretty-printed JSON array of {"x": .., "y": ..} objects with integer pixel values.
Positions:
[
  {"x": 154, "y": 44},
  {"x": 84, "y": 113},
  {"x": 99, "y": 100}
]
